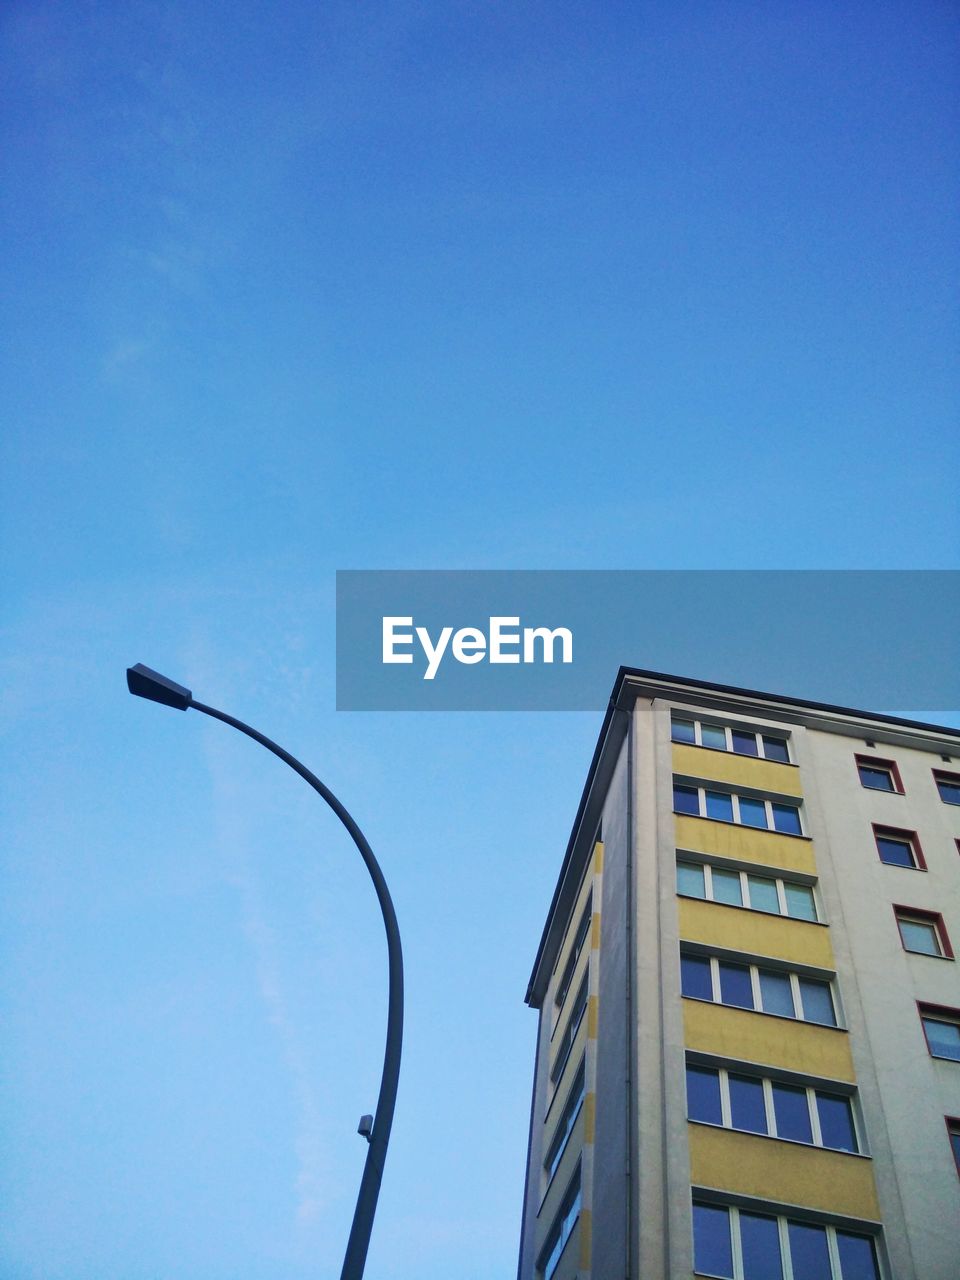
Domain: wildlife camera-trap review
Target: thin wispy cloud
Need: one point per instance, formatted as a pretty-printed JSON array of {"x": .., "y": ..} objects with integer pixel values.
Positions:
[{"x": 314, "y": 1183}]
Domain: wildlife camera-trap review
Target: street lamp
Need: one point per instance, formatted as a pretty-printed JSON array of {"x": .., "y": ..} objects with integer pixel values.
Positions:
[{"x": 376, "y": 1129}]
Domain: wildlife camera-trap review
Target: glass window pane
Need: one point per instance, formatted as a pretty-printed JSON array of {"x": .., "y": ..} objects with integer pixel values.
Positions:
[
  {"x": 876, "y": 777},
  {"x": 571, "y": 1215},
  {"x": 726, "y": 887},
  {"x": 745, "y": 744},
  {"x": 763, "y": 894},
  {"x": 786, "y": 818},
  {"x": 567, "y": 1120},
  {"x": 808, "y": 1251},
  {"x": 776, "y": 993},
  {"x": 817, "y": 1002},
  {"x": 898, "y": 853},
  {"x": 686, "y": 799},
  {"x": 690, "y": 880},
  {"x": 682, "y": 730},
  {"x": 703, "y": 1095},
  {"x": 919, "y": 935},
  {"x": 753, "y": 813},
  {"x": 836, "y": 1122},
  {"x": 746, "y": 1104},
  {"x": 792, "y": 1112},
  {"x": 760, "y": 1240},
  {"x": 949, "y": 789},
  {"x": 735, "y": 985},
  {"x": 775, "y": 748},
  {"x": 712, "y": 1249},
  {"x": 711, "y": 735},
  {"x": 943, "y": 1038},
  {"x": 800, "y": 901},
  {"x": 858, "y": 1258},
  {"x": 955, "y": 1146},
  {"x": 550, "y": 1266},
  {"x": 720, "y": 805},
  {"x": 695, "y": 977}
]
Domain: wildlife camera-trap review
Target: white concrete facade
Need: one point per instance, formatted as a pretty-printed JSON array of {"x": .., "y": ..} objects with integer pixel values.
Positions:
[{"x": 643, "y": 1164}]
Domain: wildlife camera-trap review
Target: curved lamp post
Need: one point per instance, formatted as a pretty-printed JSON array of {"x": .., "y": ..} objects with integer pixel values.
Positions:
[{"x": 376, "y": 1129}]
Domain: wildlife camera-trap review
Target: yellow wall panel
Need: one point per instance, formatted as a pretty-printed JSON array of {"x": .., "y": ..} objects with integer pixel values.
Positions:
[
  {"x": 744, "y": 771},
  {"x": 586, "y": 1235},
  {"x": 761, "y": 1038},
  {"x": 589, "y": 1117},
  {"x": 790, "y": 1173},
  {"x": 726, "y": 840},
  {"x": 754, "y": 932}
]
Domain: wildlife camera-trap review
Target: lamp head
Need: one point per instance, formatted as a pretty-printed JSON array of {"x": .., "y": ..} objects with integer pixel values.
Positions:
[{"x": 157, "y": 688}]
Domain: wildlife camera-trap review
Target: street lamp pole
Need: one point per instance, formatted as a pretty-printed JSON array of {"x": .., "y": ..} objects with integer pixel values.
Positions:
[{"x": 157, "y": 688}]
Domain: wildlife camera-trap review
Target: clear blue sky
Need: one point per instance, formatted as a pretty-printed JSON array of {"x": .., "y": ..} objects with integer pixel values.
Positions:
[{"x": 317, "y": 286}]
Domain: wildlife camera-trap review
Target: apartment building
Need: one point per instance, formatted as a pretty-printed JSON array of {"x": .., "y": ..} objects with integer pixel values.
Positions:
[{"x": 748, "y": 1059}]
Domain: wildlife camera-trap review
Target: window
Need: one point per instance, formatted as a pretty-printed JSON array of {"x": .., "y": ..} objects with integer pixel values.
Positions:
[
  {"x": 683, "y": 730},
  {"x": 686, "y": 799},
  {"x": 565, "y": 1043},
  {"x": 704, "y": 1101},
  {"x": 568, "y": 1118},
  {"x": 696, "y": 978},
  {"x": 748, "y": 986},
  {"x": 899, "y": 848},
  {"x": 561, "y": 1230},
  {"x": 568, "y": 969},
  {"x": 948, "y": 784},
  {"x": 941, "y": 1026},
  {"x": 953, "y": 1131},
  {"x": 879, "y": 775},
  {"x": 736, "y": 1245},
  {"x": 747, "y": 811},
  {"x": 923, "y": 932},
  {"x": 757, "y": 1104},
  {"x": 745, "y": 889},
  {"x": 747, "y": 1107},
  {"x": 718, "y": 737}
]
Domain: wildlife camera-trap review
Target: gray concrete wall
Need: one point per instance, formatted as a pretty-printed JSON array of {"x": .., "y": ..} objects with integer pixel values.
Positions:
[{"x": 611, "y": 1150}]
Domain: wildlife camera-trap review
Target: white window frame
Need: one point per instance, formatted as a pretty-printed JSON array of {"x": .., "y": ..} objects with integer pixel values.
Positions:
[
  {"x": 564, "y": 1224},
  {"x": 754, "y": 969},
  {"x": 571, "y": 1029},
  {"x": 726, "y": 1109},
  {"x": 783, "y": 1225},
  {"x": 746, "y": 904},
  {"x": 927, "y": 920},
  {"x": 768, "y": 803},
  {"x": 580, "y": 938},
  {"x": 568, "y": 1119},
  {"x": 728, "y": 730}
]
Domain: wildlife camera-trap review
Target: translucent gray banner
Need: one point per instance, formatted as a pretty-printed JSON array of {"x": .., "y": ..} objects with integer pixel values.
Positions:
[{"x": 553, "y": 640}]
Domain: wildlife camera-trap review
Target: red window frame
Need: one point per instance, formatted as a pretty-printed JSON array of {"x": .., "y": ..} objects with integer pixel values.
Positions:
[
  {"x": 875, "y": 762},
  {"x": 947, "y": 776},
  {"x": 940, "y": 1013},
  {"x": 925, "y": 917},
  {"x": 953, "y": 1130},
  {"x": 908, "y": 837}
]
